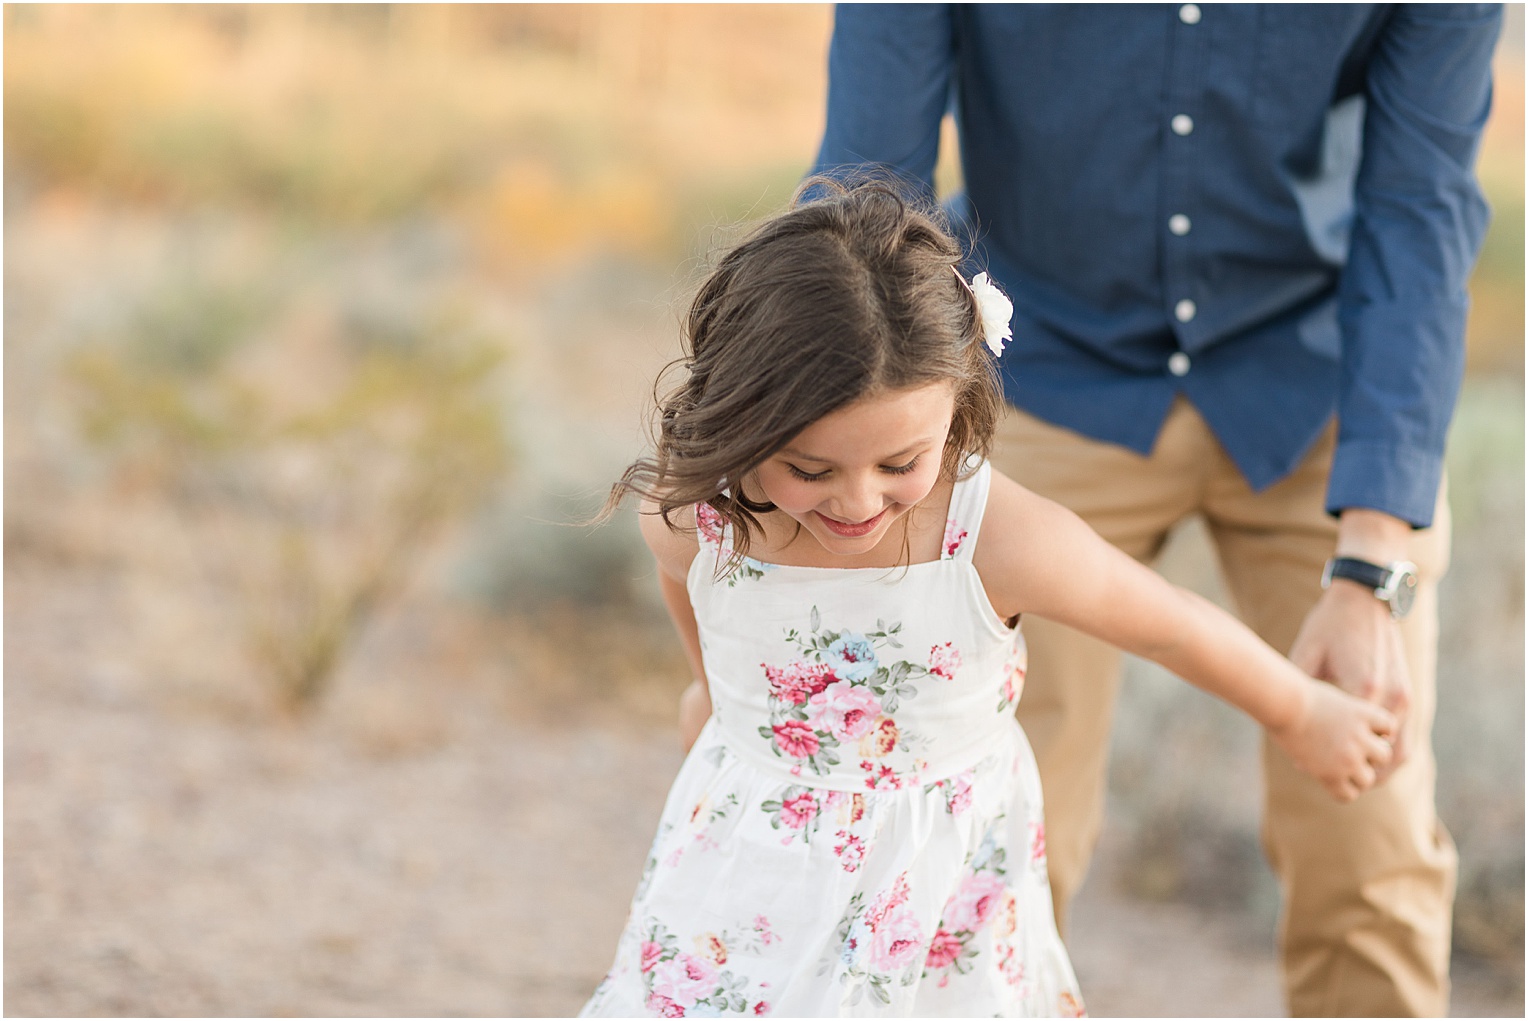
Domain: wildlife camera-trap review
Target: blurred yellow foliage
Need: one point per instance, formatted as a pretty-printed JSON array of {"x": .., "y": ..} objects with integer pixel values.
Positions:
[{"x": 548, "y": 130}]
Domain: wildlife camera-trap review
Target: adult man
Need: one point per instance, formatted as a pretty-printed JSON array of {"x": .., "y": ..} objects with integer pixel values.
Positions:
[{"x": 1224, "y": 227}]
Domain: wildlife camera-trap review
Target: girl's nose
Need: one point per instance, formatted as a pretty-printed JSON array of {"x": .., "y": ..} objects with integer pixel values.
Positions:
[{"x": 856, "y": 503}]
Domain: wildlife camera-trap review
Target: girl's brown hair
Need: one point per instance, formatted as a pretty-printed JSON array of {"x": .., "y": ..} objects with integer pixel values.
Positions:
[{"x": 840, "y": 297}]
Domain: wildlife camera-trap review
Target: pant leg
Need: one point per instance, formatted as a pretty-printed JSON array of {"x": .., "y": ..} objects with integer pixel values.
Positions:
[
  {"x": 1068, "y": 701},
  {"x": 1367, "y": 887}
]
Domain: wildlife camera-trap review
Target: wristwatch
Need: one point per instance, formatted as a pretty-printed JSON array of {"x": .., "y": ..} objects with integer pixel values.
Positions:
[{"x": 1395, "y": 584}]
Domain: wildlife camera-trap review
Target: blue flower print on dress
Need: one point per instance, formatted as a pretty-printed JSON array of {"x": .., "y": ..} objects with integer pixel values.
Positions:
[{"x": 851, "y": 657}]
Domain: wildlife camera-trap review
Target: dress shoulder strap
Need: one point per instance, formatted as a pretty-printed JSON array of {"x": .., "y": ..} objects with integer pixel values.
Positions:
[
  {"x": 968, "y": 503},
  {"x": 712, "y": 529}
]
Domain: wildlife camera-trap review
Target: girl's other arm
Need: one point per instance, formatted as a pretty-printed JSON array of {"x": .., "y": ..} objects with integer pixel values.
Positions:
[
  {"x": 674, "y": 552},
  {"x": 1043, "y": 559}
]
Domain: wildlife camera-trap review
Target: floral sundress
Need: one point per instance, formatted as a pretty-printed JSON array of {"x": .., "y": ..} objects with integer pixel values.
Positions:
[{"x": 858, "y": 830}]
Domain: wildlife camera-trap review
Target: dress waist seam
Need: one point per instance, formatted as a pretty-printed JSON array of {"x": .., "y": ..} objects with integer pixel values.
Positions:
[{"x": 846, "y": 777}]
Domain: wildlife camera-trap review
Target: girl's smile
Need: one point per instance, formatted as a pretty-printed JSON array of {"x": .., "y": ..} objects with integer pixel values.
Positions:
[
  {"x": 847, "y": 478},
  {"x": 851, "y": 531}
]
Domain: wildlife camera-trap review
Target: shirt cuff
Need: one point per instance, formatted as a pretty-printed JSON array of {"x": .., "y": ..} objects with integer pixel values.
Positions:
[{"x": 1401, "y": 481}]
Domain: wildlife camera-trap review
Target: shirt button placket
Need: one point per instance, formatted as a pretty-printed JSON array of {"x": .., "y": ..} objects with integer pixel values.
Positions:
[{"x": 1183, "y": 90}]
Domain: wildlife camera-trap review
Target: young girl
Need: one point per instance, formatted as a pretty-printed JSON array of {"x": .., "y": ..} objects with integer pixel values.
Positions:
[{"x": 858, "y": 826}]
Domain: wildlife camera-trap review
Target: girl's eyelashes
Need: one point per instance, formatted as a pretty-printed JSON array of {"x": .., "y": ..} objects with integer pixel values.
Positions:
[{"x": 805, "y": 476}]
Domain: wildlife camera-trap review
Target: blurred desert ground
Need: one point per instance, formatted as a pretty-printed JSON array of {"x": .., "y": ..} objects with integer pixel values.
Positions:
[{"x": 322, "y": 325}]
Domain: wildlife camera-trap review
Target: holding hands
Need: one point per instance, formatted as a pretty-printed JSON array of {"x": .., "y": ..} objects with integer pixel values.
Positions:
[{"x": 1344, "y": 742}]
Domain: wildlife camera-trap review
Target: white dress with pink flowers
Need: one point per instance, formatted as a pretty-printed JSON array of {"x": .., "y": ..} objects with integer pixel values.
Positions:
[{"x": 858, "y": 830}]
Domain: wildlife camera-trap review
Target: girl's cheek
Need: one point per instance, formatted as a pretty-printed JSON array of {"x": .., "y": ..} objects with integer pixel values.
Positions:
[{"x": 918, "y": 487}]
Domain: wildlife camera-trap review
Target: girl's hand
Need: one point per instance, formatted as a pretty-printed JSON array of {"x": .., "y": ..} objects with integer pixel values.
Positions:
[
  {"x": 1344, "y": 742},
  {"x": 694, "y": 711}
]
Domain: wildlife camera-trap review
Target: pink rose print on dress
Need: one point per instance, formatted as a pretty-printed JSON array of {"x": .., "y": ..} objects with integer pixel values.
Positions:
[
  {"x": 797, "y": 682},
  {"x": 710, "y": 523},
  {"x": 1036, "y": 843},
  {"x": 651, "y": 952},
  {"x": 664, "y": 1007},
  {"x": 896, "y": 942},
  {"x": 954, "y": 535},
  {"x": 845, "y": 711},
  {"x": 684, "y": 979},
  {"x": 798, "y": 811},
  {"x": 943, "y": 950},
  {"x": 896, "y": 939},
  {"x": 944, "y": 660},
  {"x": 796, "y": 739},
  {"x": 974, "y": 902},
  {"x": 960, "y": 794}
]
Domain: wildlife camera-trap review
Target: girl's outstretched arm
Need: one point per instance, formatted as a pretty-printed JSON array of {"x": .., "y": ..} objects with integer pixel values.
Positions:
[
  {"x": 674, "y": 551},
  {"x": 1037, "y": 557}
]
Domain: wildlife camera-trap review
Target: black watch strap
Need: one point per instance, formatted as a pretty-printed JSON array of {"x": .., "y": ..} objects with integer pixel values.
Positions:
[{"x": 1369, "y": 575}]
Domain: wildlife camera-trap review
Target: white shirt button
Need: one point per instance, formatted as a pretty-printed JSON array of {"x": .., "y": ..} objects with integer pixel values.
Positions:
[
  {"x": 1178, "y": 224},
  {"x": 1185, "y": 310},
  {"x": 1178, "y": 364},
  {"x": 1182, "y": 124},
  {"x": 1189, "y": 14}
]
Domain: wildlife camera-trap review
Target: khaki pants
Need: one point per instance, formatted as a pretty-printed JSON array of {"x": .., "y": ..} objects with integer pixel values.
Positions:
[{"x": 1367, "y": 887}]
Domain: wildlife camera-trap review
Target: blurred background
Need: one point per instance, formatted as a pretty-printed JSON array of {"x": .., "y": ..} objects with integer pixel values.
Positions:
[{"x": 324, "y": 328}]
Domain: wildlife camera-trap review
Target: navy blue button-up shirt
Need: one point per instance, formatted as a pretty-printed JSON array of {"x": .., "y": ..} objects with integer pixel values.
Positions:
[{"x": 1269, "y": 209}]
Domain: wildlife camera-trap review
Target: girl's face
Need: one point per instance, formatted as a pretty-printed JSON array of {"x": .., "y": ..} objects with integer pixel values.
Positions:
[{"x": 848, "y": 476}]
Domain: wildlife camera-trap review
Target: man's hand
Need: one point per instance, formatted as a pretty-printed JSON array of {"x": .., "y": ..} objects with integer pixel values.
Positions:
[{"x": 1349, "y": 637}]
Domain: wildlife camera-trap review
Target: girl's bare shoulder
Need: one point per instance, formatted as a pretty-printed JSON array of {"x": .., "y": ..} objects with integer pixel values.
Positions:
[
  {"x": 1025, "y": 539},
  {"x": 673, "y": 542}
]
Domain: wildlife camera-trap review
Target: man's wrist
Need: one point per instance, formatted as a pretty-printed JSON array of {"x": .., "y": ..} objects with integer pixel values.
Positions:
[{"x": 1372, "y": 535}]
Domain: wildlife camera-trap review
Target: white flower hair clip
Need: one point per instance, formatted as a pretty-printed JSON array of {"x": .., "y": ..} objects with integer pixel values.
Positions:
[{"x": 994, "y": 308}]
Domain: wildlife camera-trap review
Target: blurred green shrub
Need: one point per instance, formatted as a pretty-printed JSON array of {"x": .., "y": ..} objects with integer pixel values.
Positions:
[{"x": 309, "y": 467}]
